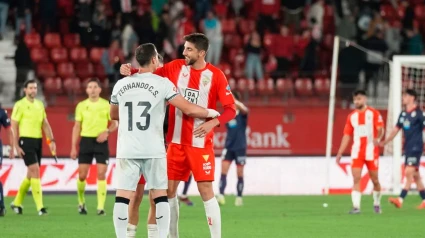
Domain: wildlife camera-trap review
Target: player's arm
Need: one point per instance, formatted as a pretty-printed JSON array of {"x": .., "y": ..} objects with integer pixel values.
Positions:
[
  {"x": 241, "y": 107},
  {"x": 226, "y": 99},
  {"x": 190, "y": 109},
  {"x": 379, "y": 125},
  {"x": 391, "y": 136},
  {"x": 16, "y": 118},
  {"x": 346, "y": 138},
  {"x": 49, "y": 135}
]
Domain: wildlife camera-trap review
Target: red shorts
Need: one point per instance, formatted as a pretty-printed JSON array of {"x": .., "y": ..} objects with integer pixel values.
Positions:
[
  {"x": 183, "y": 159},
  {"x": 372, "y": 165},
  {"x": 142, "y": 180}
]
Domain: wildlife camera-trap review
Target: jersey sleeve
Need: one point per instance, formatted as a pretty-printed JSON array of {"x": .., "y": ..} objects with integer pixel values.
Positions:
[
  {"x": 224, "y": 92},
  {"x": 44, "y": 112},
  {"x": 114, "y": 95},
  {"x": 399, "y": 123},
  {"x": 170, "y": 90},
  {"x": 17, "y": 112},
  {"x": 378, "y": 121},
  {"x": 348, "y": 128},
  {"x": 4, "y": 119},
  {"x": 78, "y": 113}
]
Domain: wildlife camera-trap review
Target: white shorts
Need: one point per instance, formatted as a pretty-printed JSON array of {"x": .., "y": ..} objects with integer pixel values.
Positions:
[{"x": 128, "y": 172}]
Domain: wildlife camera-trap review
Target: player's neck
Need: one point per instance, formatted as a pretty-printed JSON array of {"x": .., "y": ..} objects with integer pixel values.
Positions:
[
  {"x": 29, "y": 99},
  {"x": 198, "y": 65},
  {"x": 362, "y": 109},
  {"x": 145, "y": 70},
  {"x": 410, "y": 107},
  {"x": 94, "y": 99}
]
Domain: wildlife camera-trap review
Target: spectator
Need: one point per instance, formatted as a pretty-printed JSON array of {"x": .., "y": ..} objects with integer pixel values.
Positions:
[
  {"x": 409, "y": 15},
  {"x": 377, "y": 24},
  {"x": 176, "y": 8},
  {"x": 4, "y": 11},
  {"x": 237, "y": 6},
  {"x": 268, "y": 14},
  {"x": 308, "y": 62},
  {"x": 144, "y": 28},
  {"x": 164, "y": 32},
  {"x": 293, "y": 12},
  {"x": 346, "y": 11},
  {"x": 157, "y": 6},
  {"x": 393, "y": 38},
  {"x": 112, "y": 59},
  {"x": 128, "y": 39},
  {"x": 351, "y": 63},
  {"x": 100, "y": 26},
  {"x": 23, "y": 65},
  {"x": 315, "y": 14},
  {"x": 47, "y": 10},
  {"x": 202, "y": 7},
  {"x": 23, "y": 13},
  {"x": 253, "y": 59},
  {"x": 283, "y": 49},
  {"x": 117, "y": 27},
  {"x": 84, "y": 18},
  {"x": 414, "y": 42},
  {"x": 212, "y": 29}
]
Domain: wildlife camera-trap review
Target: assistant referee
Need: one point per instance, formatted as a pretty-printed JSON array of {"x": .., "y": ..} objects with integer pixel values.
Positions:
[
  {"x": 28, "y": 118},
  {"x": 91, "y": 123}
]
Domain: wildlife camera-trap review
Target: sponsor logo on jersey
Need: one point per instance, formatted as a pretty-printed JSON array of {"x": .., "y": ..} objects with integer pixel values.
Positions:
[{"x": 191, "y": 95}]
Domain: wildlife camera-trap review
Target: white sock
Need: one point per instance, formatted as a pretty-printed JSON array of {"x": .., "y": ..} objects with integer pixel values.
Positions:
[
  {"x": 121, "y": 217},
  {"x": 174, "y": 217},
  {"x": 131, "y": 231},
  {"x": 152, "y": 231},
  {"x": 376, "y": 198},
  {"x": 212, "y": 210},
  {"x": 162, "y": 216},
  {"x": 356, "y": 196},
  {"x": 400, "y": 199}
]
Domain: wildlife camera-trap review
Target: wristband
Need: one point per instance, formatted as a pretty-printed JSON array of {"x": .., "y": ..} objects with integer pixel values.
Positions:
[
  {"x": 212, "y": 113},
  {"x": 48, "y": 141}
]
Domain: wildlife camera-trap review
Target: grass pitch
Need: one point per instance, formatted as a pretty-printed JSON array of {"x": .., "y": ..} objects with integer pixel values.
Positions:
[{"x": 261, "y": 216}]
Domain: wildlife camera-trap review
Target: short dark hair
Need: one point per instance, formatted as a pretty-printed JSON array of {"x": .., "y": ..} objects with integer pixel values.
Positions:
[
  {"x": 145, "y": 53},
  {"x": 411, "y": 92},
  {"x": 237, "y": 95},
  {"x": 161, "y": 58},
  {"x": 96, "y": 80},
  {"x": 359, "y": 92},
  {"x": 200, "y": 41},
  {"x": 29, "y": 82}
]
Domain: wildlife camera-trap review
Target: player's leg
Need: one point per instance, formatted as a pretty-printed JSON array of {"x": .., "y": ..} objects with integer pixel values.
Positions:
[
  {"x": 155, "y": 171},
  {"x": 356, "y": 195},
  {"x": 36, "y": 188},
  {"x": 133, "y": 208},
  {"x": 152, "y": 227},
  {"x": 2, "y": 207},
  {"x": 372, "y": 167},
  {"x": 240, "y": 165},
  {"x": 127, "y": 172},
  {"x": 420, "y": 187},
  {"x": 184, "y": 198},
  {"x": 85, "y": 159},
  {"x": 228, "y": 157},
  {"x": 203, "y": 173},
  {"x": 178, "y": 170},
  {"x": 102, "y": 160}
]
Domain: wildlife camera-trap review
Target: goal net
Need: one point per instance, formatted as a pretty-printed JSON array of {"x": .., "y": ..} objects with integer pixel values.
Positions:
[{"x": 384, "y": 93}]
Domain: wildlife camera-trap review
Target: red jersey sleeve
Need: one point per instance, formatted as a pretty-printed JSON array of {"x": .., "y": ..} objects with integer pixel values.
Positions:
[
  {"x": 161, "y": 71},
  {"x": 224, "y": 92},
  {"x": 348, "y": 129},
  {"x": 378, "y": 121}
]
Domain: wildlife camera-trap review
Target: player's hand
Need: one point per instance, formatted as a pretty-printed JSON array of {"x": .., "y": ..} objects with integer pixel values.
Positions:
[
  {"x": 102, "y": 137},
  {"x": 205, "y": 128},
  {"x": 212, "y": 113},
  {"x": 12, "y": 153},
  {"x": 382, "y": 143},
  {"x": 376, "y": 142},
  {"x": 338, "y": 159},
  {"x": 74, "y": 153},
  {"x": 20, "y": 151},
  {"x": 125, "y": 69},
  {"x": 52, "y": 147}
]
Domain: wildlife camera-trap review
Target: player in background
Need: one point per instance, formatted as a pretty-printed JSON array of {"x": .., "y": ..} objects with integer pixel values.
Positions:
[
  {"x": 136, "y": 199},
  {"x": 28, "y": 120},
  {"x": 91, "y": 124},
  {"x": 191, "y": 140},
  {"x": 184, "y": 198},
  {"x": 235, "y": 150},
  {"x": 5, "y": 122},
  {"x": 366, "y": 127},
  {"x": 412, "y": 122},
  {"x": 138, "y": 103}
]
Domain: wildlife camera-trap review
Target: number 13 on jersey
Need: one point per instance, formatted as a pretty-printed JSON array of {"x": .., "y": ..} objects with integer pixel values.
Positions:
[{"x": 145, "y": 117}]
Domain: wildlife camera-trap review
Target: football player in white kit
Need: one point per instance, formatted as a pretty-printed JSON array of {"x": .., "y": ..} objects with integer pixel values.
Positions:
[{"x": 138, "y": 103}]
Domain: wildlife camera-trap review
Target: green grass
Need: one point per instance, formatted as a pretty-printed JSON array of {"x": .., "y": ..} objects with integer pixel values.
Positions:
[{"x": 268, "y": 216}]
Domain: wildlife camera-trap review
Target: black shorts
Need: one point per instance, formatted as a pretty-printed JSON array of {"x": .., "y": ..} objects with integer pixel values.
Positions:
[
  {"x": 413, "y": 159},
  {"x": 90, "y": 148},
  {"x": 239, "y": 156},
  {"x": 32, "y": 148}
]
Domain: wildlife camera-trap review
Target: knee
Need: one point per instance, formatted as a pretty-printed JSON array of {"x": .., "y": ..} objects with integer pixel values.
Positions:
[
  {"x": 171, "y": 192},
  {"x": 205, "y": 190},
  {"x": 356, "y": 179},
  {"x": 101, "y": 176}
]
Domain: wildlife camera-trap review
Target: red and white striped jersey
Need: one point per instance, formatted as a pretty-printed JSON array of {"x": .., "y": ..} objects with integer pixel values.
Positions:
[
  {"x": 363, "y": 127},
  {"x": 202, "y": 87}
]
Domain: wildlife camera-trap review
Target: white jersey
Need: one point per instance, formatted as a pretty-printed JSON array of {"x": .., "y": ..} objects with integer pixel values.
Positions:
[{"x": 142, "y": 99}]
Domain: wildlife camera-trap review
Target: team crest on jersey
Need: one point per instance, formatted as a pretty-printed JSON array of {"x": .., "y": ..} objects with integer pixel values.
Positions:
[
  {"x": 206, "y": 80},
  {"x": 191, "y": 95}
]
